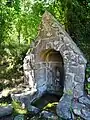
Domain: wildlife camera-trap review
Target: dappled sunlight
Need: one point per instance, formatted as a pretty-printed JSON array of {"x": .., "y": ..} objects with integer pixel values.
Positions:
[
  {"x": 18, "y": 108},
  {"x": 5, "y": 92},
  {"x": 51, "y": 106},
  {"x": 52, "y": 78}
]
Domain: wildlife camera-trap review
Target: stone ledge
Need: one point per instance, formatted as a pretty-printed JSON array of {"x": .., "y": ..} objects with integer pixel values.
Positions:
[{"x": 7, "y": 110}]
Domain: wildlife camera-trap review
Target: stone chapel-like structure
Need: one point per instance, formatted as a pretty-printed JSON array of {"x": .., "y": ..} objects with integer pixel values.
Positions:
[{"x": 55, "y": 64}]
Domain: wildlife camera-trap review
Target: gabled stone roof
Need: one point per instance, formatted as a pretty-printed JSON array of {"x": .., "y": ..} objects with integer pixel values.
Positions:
[{"x": 50, "y": 28}]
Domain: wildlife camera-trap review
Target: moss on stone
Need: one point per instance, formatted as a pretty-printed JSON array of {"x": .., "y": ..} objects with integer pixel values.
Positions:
[{"x": 18, "y": 108}]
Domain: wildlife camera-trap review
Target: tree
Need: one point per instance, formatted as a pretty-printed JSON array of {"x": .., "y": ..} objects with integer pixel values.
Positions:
[{"x": 19, "y": 22}]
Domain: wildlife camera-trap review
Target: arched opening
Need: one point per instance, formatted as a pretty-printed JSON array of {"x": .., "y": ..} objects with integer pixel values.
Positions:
[
  {"x": 49, "y": 78},
  {"x": 54, "y": 70},
  {"x": 50, "y": 74}
]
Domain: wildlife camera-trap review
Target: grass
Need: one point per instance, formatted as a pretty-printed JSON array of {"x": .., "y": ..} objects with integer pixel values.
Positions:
[
  {"x": 3, "y": 104},
  {"x": 18, "y": 108},
  {"x": 51, "y": 107}
]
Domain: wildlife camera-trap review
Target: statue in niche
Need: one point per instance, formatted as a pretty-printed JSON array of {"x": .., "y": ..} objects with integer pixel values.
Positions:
[{"x": 57, "y": 80}]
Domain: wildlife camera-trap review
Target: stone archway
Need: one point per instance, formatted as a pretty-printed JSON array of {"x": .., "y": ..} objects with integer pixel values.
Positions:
[
  {"x": 52, "y": 71},
  {"x": 74, "y": 64}
]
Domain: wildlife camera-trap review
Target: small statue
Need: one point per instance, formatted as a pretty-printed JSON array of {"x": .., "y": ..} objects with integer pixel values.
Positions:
[{"x": 57, "y": 81}]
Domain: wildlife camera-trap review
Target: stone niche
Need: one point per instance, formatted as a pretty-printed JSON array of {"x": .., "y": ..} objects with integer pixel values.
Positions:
[
  {"x": 49, "y": 71},
  {"x": 57, "y": 66}
]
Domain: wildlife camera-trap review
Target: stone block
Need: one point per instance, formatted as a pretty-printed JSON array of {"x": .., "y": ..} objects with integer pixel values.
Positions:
[
  {"x": 78, "y": 90},
  {"x": 63, "y": 108},
  {"x": 84, "y": 100},
  {"x": 69, "y": 81},
  {"x": 25, "y": 97},
  {"x": 4, "y": 111},
  {"x": 81, "y": 110},
  {"x": 66, "y": 40},
  {"x": 86, "y": 113},
  {"x": 79, "y": 79},
  {"x": 78, "y": 70},
  {"x": 48, "y": 115},
  {"x": 33, "y": 110},
  {"x": 82, "y": 60}
]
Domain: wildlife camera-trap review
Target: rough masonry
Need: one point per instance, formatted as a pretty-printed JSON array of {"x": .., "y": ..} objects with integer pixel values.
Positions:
[{"x": 55, "y": 62}]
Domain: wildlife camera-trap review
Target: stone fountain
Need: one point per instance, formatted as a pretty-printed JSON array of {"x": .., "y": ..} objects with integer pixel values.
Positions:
[{"x": 56, "y": 65}]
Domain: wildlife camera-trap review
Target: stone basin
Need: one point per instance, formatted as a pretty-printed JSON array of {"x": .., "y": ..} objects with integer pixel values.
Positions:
[{"x": 47, "y": 102}]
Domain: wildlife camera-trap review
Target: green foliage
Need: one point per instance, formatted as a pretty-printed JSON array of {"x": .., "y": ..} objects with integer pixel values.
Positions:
[
  {"x": 3, "y": 104},
  {"x": 19, "y": 26},
  {"x": 78, "y": 24},
  {"x": 51, "y": 107},
  {"x": 18, "y": 109},
  {"x": 19, "y": 22},
  {"x": 88, "y": 71},
  {"x": 69, "y": 92},
  {"x": 87, "y": 87},
  {"x": 87, "y": 84}
]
